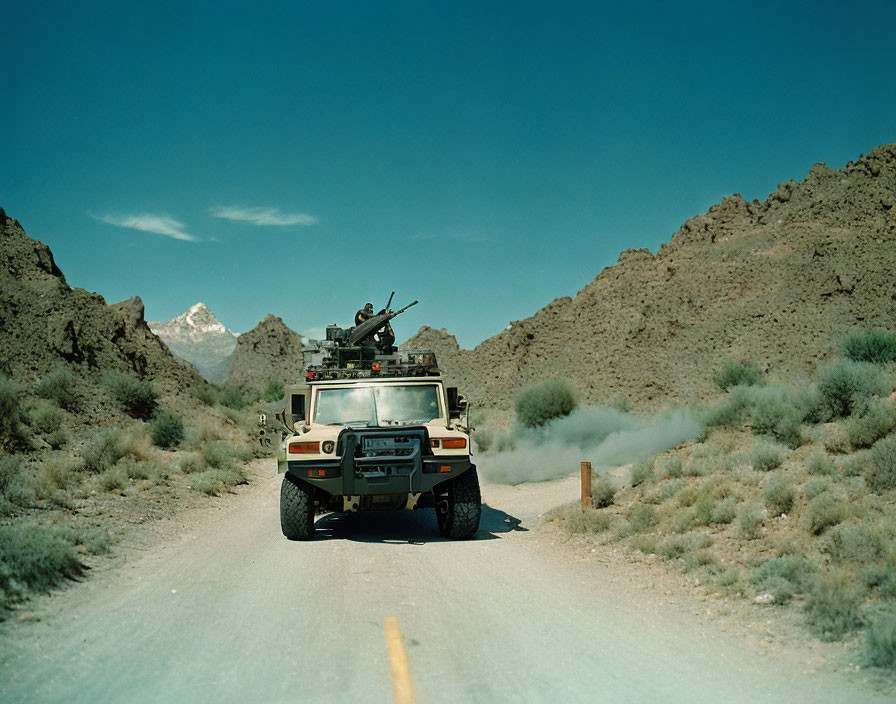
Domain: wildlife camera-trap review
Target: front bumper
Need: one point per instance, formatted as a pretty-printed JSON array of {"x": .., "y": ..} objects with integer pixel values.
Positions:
[{"x": 355, "y": 475}]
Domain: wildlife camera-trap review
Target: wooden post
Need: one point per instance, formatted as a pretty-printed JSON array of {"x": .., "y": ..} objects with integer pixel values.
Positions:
[{"x": 586, "y": 485}]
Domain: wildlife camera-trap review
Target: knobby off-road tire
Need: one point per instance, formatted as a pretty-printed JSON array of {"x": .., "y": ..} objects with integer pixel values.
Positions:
[
  {"x": 296, "y": 510},
  {"x": 459, "y": 509}
]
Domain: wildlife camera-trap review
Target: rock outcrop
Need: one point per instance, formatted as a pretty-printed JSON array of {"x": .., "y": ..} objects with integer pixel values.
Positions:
[
  {"x": 771, "y": 282},
  {"x": 268, "y": 352},
  {"x": 44, "y": 322}
]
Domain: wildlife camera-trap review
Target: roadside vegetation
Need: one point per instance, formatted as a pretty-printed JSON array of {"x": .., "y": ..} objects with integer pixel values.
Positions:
[
  {"x": 788, "y": 499},
  {"x": 80, "y": 463}
]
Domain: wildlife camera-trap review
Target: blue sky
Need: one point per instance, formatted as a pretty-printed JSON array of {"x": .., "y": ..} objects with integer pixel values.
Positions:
[{"x": 303, "y": 158}]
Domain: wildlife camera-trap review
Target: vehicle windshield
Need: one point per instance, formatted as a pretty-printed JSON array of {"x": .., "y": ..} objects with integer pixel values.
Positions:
[{"x": 378, "y": 405}]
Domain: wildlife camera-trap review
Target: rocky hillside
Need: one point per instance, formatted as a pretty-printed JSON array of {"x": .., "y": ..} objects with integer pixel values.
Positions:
[
  {"x": 270, "y": 351},
  {"x": 198, "y": 337},
  {"x": 44, "y": 321},
  {"x": 772, "y": 282}
]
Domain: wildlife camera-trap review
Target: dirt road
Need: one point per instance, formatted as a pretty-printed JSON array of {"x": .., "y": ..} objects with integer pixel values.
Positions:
[{"x": 220, "y": 607}]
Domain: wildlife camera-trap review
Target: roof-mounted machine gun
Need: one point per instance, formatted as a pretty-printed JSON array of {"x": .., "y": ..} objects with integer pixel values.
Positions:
[
  {"x": 377, "y": 329},
  {"x": 367, "y": 348}
]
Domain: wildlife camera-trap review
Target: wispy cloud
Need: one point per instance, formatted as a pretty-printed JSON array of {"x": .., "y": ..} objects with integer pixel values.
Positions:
[
  {"x": 147, "y": 222},
  {"x": 262, "y": 216}
]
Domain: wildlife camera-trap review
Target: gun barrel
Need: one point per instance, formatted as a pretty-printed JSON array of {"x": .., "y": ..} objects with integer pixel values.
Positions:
[{"x": 405, "y": 308}]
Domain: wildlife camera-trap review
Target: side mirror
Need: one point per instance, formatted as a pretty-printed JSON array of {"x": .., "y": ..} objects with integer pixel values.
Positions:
[{"x": 456, "y": 403}]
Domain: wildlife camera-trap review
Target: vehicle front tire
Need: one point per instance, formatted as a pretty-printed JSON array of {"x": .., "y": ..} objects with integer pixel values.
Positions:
[
  {"x": 296, "y": 510},
  {"x": 459, "y": 507}
]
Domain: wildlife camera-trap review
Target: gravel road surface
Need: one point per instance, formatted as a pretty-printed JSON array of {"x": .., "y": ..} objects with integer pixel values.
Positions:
[{"x": 218, "y": 606}]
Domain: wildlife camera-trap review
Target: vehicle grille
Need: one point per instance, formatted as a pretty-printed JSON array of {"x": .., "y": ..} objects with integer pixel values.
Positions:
[{"x": 390, "y": 445}]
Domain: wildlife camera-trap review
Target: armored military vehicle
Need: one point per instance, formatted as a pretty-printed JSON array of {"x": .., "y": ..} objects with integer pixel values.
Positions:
[{"x": 375, "y": 428}]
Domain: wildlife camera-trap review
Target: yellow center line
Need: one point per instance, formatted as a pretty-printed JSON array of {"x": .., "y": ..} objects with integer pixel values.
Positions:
[{"x": 402, "y": 684}]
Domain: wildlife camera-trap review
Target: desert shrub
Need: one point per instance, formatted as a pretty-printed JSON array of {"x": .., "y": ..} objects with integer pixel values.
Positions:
[
  {"x": 34, "y": 560},
  {"x": 734, "y": 373},
  {"x": 876, "y": 346},
  {"x": 881, "y": 576},
  {"x": 140, "y": 469},
  {"x": 688, "y": 496},
  {"x": 833, "y": 606},
  {"x": 114, "y": 478},
  {"x": 15, "y": 485},
  {"x": 137, "y": 397},
  {"x": 766, "y": 455},
  {"x": 221, "y": 455},
  {"x": 728, "y": 411},
  {"x": 574, "y": 519},
  {"x": 103, "y": 450},
  {"x": 59, "y": 386},
  {"x": 847, "y": 386},
  {"x": 549, "y": 399},
  {"x": 820, "y": 464},
  {"x": 881, "y": 472},
  {"x": 683, "y": 521},
  {"x": 642, "y": 518},
  {"x": 642, "y": 472},
  {"x": 856, "y": 464},
  {"x": 880, "y": 642},
  {"x": 45, "y": 418},
  {"x": 779, "y": 495},
  {"x": 603, "y": 492},
  {"x": 167, "y": 429},
  {"x": 703, "y": 509},
  {"x": 189, "y": 462},
  {"x": 233, "y": 396},
  {"x": 823, "y": 512},
  {"x": 204, "y": 393},
  {"x": 212, "y": 481},
  {"x": 671, "y": 467},
  {"x": 836, "y": 440},
  {"x": 872, "y": 423},
  {"x": 273, "y": 391},
  {"x": 724, "y": 511},
  {"x": 777, "y": 411},
  {"x": 784, "y": 577},
  {"x": 48, "y": 421},
  {"x": 217, "y": 454},
  {"x": 749, "y": 522},
  {"x": 57, "y": 472},
  {"x": 769, "y": 410},
  {"x": 669, "y": 489},
  {"x": 676, "y": 546},
  {"x": 204, "y": 430},
  {"x": 815, "y": 487},
  {"x": 12, "y": 433},
  {"x": 864, "y": 541}
]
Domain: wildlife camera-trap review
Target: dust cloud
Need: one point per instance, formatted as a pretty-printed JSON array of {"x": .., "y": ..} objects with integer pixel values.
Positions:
[{"x": 604, "y": 436}]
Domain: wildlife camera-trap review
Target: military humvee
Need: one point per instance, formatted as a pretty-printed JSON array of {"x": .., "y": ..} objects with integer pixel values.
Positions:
[{"x": 375, "y": 428}]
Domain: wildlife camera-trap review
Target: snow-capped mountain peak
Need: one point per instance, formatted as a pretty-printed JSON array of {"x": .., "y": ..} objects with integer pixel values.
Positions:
[
  {"x": 199, "y": 337},
  {"x": 194, "y": 325}
]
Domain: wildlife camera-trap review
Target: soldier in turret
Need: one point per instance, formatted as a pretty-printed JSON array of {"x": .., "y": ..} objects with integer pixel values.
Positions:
[{"x": 366, "y": 313}]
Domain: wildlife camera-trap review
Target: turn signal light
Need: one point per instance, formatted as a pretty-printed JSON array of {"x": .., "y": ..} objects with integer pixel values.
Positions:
[
  {"x": 454, "y": 443},
  {"x": 375, "y": 367},
  {"x": 304, "y": 448}
]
